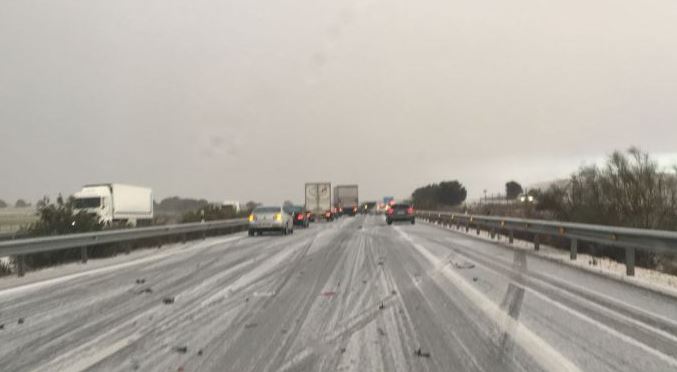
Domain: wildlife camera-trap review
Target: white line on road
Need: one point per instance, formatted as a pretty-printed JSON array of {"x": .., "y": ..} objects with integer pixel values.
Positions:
[
  {"x": 542, "y": 352},
  {"x": 601, "y": 308}
]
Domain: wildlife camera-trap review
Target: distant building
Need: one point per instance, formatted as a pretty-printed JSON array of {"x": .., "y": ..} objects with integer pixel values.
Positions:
[{"x": 233, "y": 204}]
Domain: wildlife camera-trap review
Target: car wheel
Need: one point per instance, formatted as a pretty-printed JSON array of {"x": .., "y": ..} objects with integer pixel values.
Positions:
[{"x": 389, "y": 222}]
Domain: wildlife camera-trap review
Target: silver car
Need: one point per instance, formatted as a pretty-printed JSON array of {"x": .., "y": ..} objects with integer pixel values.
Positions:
[{"x": 270, "y": 219}]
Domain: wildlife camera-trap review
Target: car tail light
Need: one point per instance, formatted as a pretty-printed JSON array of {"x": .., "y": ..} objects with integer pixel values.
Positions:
[
  {"x": 340, "y": 209},
  {"x": 328, "y": 214},
  {"x": 410, "y": 210},
  {"x": 278, "y": 217},
  {"x": 355, "y": 210},
  {"x": 300, "y": 217},
  {"x": 252, "y": 218}
]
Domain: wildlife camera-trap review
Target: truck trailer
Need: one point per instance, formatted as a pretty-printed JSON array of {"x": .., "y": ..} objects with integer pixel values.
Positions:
[
  {"x": 318, "y": 200},
  {"x": 346, "y": 199}
]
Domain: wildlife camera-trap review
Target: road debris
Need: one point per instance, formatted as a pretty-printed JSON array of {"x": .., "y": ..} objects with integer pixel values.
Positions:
[
  {"x": 381, "y": 306},
  {"x": 20, "y": 321},
  {"x": 421, "y": 354},
  {"x": 181, "y": 349},
  {"x": 168, "y": 300},
  {"x": 199, "y": 352},
  {"x": 463, "y": 265}
]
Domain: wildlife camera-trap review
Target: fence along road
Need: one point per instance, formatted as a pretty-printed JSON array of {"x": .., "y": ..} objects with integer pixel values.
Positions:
[
  {"x": 355, "y": 295},
  {"x": 84, "y": 241}
]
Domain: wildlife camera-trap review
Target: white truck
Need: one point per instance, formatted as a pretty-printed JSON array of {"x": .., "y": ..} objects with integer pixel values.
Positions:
[
  {"x": 115, "y": 203},
  {"x": 318, "y": 200},
  {"x": 346, "y": 199}
]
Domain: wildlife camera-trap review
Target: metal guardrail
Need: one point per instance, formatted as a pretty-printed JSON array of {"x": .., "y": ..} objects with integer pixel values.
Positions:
[
  {"x": 12, "y": 235},
  {"x": 22, "y": 247},
  {"x": 629, "y": 239}
]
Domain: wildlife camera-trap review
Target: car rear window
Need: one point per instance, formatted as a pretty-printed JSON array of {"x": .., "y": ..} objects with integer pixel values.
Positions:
[
  {"x": 267, "y": 210},
  {"x": 400, "y": 206}
]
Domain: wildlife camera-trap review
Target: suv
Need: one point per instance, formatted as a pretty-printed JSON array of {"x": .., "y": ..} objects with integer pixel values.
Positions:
[{"x": 400, "y": 212}]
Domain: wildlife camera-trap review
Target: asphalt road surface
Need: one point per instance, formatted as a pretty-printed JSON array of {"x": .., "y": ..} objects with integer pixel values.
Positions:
[{"x": 353, "y": 295}]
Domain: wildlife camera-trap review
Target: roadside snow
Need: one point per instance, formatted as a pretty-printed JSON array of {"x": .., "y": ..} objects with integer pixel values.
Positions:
[
  {"x": 646, "y": 278},
  {"x": 57, "y": 274}
]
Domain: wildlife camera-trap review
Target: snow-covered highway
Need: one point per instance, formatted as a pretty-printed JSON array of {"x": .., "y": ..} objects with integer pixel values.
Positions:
[{"x": 353, "y": 295}]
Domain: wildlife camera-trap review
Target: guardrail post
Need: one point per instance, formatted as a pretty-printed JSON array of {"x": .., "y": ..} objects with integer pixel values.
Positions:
[
  {"x": 83, "y": 254},
  {"x": 511, "y": 237},
  {"x": 537, "y": 242},
  {"x": 20, "y": 265},
  {"x": 574, "y": 249},
  {"x": 630, "y": 261},
  {"x": 493, "y": 233},
  {"x": 467, "y": 226},
  {"x": 478, "y": 228}
]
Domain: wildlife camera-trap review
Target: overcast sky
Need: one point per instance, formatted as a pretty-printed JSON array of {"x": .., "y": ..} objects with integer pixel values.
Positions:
[{"x": 250, "y": 99}]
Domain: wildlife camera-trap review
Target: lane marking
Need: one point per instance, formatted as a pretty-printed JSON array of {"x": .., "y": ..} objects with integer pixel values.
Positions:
[
  {"x": 589, "y": 292},
  {"x": 601, "y": 307},
  {"x": 87, "y": 362},
  {"x": 542, "y": 352},
  {"x": 628, "y": 339}
]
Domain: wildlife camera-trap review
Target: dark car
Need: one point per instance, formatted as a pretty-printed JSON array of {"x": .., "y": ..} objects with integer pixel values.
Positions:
[
  {"x": 400, "y": 212},
  {"x": 348, "y": 211},
  {"x": 300, "y": 216}
]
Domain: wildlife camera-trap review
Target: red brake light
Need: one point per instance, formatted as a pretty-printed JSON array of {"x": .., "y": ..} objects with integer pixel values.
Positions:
[
  {"x": 410, "y": 210},
  {"x": 300, "y": 217},
  {"x": 390, "y": 211}
]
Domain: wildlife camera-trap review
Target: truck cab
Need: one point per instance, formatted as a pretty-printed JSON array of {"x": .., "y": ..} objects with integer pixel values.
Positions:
[{"x": 95, "y": 200}]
